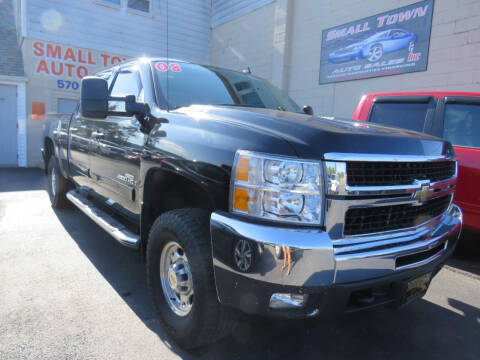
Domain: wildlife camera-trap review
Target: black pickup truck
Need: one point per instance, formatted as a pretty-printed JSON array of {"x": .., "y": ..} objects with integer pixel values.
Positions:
[{"x": 240, "y": 201}]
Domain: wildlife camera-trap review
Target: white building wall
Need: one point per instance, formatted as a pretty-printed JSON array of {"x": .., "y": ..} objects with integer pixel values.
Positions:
[
  {"x": 246, "y": 41},
  {"x": 94, "y": 24},
  {"x": 64, "y": 40},
  {"x": 227, "y": 10},
  {"x": 452, "y": 65}
]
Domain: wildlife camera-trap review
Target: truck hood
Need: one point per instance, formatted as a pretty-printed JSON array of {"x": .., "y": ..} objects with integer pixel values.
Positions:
[{"x": 313, "y": 136}]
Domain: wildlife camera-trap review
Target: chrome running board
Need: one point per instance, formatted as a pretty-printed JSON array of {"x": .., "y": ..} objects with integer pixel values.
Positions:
[{"x": 113, "y": 227}]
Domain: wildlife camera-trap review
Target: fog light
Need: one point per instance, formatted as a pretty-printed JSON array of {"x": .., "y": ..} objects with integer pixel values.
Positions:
[{"x": 287, "y": 301}]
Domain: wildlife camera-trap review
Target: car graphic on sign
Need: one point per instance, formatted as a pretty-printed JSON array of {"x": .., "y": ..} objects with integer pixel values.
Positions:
[{"x": 373, "y": 47}]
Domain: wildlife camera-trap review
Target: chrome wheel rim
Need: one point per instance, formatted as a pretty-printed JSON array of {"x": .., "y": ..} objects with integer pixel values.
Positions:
[
  {"x": 176, "y": 279},
  {"x": 375, "y": 53},
  {"x": 53, "y": 182}
]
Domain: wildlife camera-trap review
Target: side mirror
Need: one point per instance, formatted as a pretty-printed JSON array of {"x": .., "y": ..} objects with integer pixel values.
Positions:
[
  {"x": 307, "y": 109},
  {"x": 132, "y": 107},
  {"x": 94, "y": 97}
]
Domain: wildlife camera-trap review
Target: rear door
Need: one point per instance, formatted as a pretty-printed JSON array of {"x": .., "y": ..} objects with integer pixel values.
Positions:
[
  {"x": 461, "y": 126},
  {"x": 79, "y": 134},
  {"x": 408, "y": 112}
]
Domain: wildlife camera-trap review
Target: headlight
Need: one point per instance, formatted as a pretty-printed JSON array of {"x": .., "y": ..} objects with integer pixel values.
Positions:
[{"x": 277, "y": 188}]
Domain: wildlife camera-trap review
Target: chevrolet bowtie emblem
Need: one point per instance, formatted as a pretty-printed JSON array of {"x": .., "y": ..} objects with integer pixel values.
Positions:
[{"x": 424, "y": 193}]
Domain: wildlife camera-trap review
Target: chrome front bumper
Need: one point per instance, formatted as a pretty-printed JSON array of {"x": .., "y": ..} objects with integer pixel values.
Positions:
[{"x": 315, "y": 259}]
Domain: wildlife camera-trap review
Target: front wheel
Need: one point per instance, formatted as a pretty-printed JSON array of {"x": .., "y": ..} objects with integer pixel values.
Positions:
[{"x": 180, "y": 279}]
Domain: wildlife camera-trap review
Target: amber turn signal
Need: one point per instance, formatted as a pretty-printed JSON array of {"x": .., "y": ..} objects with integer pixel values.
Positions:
[
  {"x": 242, "y": 169},
  {"x": 240, "y": 200}
]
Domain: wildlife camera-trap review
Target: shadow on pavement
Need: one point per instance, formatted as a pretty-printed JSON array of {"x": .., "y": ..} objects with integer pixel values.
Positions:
[
  {"x": 420, "y": 330},
  {"x": 21, "y": 179},
  {"x": 120, "y": 266},
  {"x": 467, "y": 254}
]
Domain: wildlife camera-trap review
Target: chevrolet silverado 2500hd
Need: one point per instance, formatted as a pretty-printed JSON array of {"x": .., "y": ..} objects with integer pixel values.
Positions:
[{"x": 239, "y": 201}]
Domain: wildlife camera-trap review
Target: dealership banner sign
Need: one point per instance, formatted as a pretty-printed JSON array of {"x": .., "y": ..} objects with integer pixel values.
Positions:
[
  {"x": 394, "y": 42},
  {"x": 68, "y": 61}
]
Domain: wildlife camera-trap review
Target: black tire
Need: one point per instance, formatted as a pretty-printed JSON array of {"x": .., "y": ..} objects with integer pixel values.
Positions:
[
  {"x": 207, "y": 320},
  {"x": 57, "y": 191}
]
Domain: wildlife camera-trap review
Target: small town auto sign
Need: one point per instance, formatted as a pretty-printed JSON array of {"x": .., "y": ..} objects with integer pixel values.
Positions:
[
  {"x": 68, "y": 61},
  {"x": 390, "y": 43}
]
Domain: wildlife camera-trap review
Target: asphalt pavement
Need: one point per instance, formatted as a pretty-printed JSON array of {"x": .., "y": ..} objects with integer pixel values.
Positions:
[{"x": 69, "y": 291}]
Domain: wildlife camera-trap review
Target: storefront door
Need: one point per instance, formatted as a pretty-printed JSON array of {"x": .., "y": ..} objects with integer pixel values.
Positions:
[{"x": 8, "y": 125}]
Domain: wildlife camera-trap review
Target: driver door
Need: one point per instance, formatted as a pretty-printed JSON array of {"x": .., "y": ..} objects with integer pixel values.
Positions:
[{"x": 117, "y": 145}]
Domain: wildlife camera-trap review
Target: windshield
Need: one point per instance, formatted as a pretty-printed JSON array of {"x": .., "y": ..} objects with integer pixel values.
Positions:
[{"x": 187, "y": 84}]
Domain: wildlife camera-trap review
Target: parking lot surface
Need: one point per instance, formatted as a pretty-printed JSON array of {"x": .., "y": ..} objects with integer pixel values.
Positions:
[{"x": 68, "y": 290}]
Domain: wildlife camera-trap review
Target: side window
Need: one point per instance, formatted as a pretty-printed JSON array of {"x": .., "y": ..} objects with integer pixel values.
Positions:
[
  {"x": 405, "y": 115},
  {"x": 461, "y": 124},
  {"x": 107, "y": 75},
  {"x": 127, "y": 82}
]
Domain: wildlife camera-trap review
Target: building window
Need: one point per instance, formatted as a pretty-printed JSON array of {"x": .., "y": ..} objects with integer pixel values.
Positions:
[
  {"x": 112, "y": 2},
  {"x": 140, "y": 5},
  {"x": 66, "y": 106}
]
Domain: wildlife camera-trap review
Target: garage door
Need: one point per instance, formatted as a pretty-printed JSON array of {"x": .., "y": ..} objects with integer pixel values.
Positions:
[{"x": 8, "y": 125}]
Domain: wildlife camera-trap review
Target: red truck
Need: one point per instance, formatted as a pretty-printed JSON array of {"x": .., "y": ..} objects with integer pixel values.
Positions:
[{"x": 452, "y": 115}]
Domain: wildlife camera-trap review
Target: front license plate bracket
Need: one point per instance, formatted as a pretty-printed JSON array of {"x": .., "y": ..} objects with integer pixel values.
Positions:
[{"x": 411, "y": 289}]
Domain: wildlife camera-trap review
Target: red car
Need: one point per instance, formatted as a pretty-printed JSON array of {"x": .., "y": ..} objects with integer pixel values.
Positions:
[{"x": 454, "y": 116}]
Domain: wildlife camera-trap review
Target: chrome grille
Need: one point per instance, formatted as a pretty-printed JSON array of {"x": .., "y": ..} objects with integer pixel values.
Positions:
[
  {"x": 392, "y": 217},
  {"x": 378, "y": 202},
  {"x": 365, "y": 173}
]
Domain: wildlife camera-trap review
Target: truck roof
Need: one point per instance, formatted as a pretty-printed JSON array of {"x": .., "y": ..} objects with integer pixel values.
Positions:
[
  {"x": 436, "y": 94},
  {"x": 365, "y": 103}
]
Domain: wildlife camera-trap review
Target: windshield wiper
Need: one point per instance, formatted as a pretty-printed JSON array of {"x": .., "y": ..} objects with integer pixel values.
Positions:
[{"x": 240, "y": 105}]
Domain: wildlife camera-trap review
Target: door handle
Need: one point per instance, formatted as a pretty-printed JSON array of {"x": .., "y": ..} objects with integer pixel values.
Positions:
[{"x": 98, "y": 135}]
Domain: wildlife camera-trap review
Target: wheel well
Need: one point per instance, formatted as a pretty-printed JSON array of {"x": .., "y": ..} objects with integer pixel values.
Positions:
[
  {"x": 165, "y": 191},
  {"x": 48, "y": 151}
]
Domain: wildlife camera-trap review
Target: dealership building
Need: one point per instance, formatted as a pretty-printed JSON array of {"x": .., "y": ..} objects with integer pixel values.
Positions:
[{"x": 322, "y": 53}]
